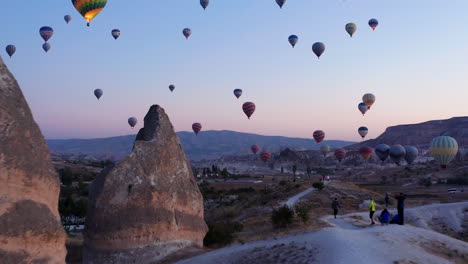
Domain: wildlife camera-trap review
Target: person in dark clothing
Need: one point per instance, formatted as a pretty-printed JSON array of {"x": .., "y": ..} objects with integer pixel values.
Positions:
[
  {"x": 384, "y": 217},
  {"x": 335, "y": 206},
  {"x": 401, "y": 208},
  {"x": 387, "y": 200}
]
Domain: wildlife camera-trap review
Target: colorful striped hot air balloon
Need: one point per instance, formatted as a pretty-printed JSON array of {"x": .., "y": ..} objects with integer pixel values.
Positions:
[
  {"x": 373, "y": 23},
  {"x": 293, "y": 40},
  {"x": 187, "y": 32},
  {"x": 265, "y": 156},
  {"x": 196, "y": 128},
  {"x": 237, "y": 93},
  {"x": 411, "y": 154},
  {"x": 89, "y": 9},
  {"x": 325, "y": 149},
  {"x": 254, "y": 149},
  {"x": 249, "y": 109},
  {"x": 362, "y": 108},
  {"x": 351, "y": 29},
  {"x": 340, "y": 154},
  {"x": 10, "y": 49},
  {"x": 46, "y": 33},
  {"x": 115, "y": 33},
  {"x": 67, "y": 18},
  {"x": 319, "y": 135},
  {"x": 366, "y": 152},
  {"x": 368, "y": 99},
  {"x": 318, "y": 48},
  {"x": 363, "y": 131},
  {"x": 46, "y": 47},
  {"x": 444, "y": 149}
]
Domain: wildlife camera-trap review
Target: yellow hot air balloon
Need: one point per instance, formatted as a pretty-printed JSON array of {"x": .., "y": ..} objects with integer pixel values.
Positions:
[
  {"x": 89, "y": 9},
  {"x": 444, "y": 149}
]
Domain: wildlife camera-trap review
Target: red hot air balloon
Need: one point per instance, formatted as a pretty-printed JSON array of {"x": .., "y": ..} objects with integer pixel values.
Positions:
[
  {"x": 340, "y": 154},
  {"x": 319, "y": 135},
  {"x": 254, "y": 149},
  {"x": 265, "y": 156},
  {"x": 196, "y": 128},
  {"x": 249, "y": 109},
  {"x": 366, "y": 152}
]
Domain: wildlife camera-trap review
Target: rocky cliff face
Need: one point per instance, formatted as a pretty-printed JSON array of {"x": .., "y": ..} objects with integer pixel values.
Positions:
[
  {"x": 30, "y": 228},
  {"x": 420, "y": 135},
  {"x": 148, "y": 205}
]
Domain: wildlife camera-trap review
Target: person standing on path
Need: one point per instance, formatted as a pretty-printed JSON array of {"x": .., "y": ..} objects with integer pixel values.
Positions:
[
  {"x": 335, "y": 206},
  {"x": 401, "y": 208},
  {"x": 387, "y": 200},
  {"x": 372, "y": 210}
]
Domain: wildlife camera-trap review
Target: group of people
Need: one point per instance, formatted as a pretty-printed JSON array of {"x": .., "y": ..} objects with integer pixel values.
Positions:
[{"x": 385, "y": 217}]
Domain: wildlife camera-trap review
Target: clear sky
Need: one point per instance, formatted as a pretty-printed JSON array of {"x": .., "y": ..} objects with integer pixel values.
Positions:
[{"x": 416, "y": 63}]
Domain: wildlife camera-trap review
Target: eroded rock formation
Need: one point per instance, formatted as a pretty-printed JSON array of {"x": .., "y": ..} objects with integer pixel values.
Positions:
[
  {"x": 30, "y": 228},
  {"x": 148, "y": 205}
]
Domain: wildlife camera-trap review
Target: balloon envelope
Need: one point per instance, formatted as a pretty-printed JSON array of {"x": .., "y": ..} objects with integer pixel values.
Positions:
[
  {"x": 237, "y": 93},
  {"x": 98, "y": 93},
  {"x": 366, "y": 152},
  {"x": 254, "y": 149},
  {"x": 187, "y": 32},
  {"x": 196, "y": 128},
  {"x": 363, "y": 131},
  {"x": 248, "y": 108},
  {"x": 67, "y": 18},
  {"x": 362, "y": 108},
  {"x": 411, "y": 154},
  {"x": 318, "y": 48},
  {"x": 115, "y": 33},
  {"x": 10, "y": 49},
  {"x": 204, "y": 3},
  {"x": 325, "y": 149},
  {"x": 46, "y": 33},
  {"x": 293, "y": 40},
  {"x": 340, "y": 154},
  {"x": 89, "y": 9},
  {"x": 351, "y": 29},
  {"x": 132, "y": 121},
  {"x": 280, "y": 3},
  {"x": 171, "y": 87},
  {"x": 382, "y": 151},
  {"x": 265, "y": 156},
  {"x": 397, "y": 153},
  {"x": 46, "y": 47},
  {"x": 368, "y": 99},
  {"x": 444, "y": 149},
  {"x": 373, "y": 23},
  {"x": 319, "y": 135}
]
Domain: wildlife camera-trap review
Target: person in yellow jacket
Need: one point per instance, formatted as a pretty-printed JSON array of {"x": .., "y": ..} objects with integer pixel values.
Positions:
[{"x": 372, "y": 210}]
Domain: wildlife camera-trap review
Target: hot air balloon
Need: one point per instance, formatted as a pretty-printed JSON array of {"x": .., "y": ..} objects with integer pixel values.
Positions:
[
  {"x": 363, "y": 131},
  {"x": 382, "y": 151},
  {"x": 67, "y": 18},
  {"x": 318, "y": 48},
  {"x": 293, "y": 40},
  {"x": 340, "y": 154},
  {"x": 397, "y": 154},
  {"x": 187, "y": 32},
  {"x": 363, "y": 108},
  {"x": 10, "y": 49},
  {"x": 351, "y": 29},
  {"x": 115, "y": 33},
  {"x": 46, "y": 33},
  {"x": 204, "y": 3},
  {"x": 280, "y": 3},
  {"x": 254, "y": 149},
  {"x": 132, "y": 121},
  {"x": 89, "y": 9},
  {"x": 238, "y": 93},
  {"x": 411, "y": 154},
  {"x": 373, "y": 23},
  {"x": 444, "y": 149},
  {"x": 368, "y": 99},
  {"x": 171, "y": 87},
  {"x": 98, "y": 93},
  {"x": 265, "y": 156},
  {"x": 366, "y": 152},
  {"x": 325, "y": 149},
  {"x": 46, "y": 47},
  {"x": 319, "y": 135},
  {"x": 196, "y": 128},
  {"x": 249, "y": 109}
]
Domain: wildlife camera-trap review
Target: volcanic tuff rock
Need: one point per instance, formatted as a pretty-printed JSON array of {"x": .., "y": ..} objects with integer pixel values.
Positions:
[
  {"x": 30, "y": 228},
  {"x": 421, "y": 135},
  {"x": 148, "y": 205}
]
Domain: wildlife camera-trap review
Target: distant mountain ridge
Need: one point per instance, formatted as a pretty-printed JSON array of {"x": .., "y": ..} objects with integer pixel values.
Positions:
[
  {"x": 207, "y": 145},
  {"x": 420, "y": 135}
]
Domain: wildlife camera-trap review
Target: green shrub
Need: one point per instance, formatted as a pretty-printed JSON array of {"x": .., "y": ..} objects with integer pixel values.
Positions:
[
  {"x": 318, "y": 185},
  {"x": 221, "y": 233},
  {"x": 302, "y": 210},
  {"x": 282, "y": 217}
]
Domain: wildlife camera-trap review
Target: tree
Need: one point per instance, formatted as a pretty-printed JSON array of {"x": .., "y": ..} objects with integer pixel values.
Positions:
[
  {"x": 318, "y": 185},
  {"x": 66, "y": 176},
  {"x": 282, "y": 217},
  {"x": 302, "y": 210},
  {"x": 225, "y": 173}
]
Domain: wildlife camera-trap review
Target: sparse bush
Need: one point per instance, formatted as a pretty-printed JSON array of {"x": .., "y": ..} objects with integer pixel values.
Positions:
[
  {"x": 318, "y": 185},
  {"x": 302, "y": 210},
  {"x": 282, "y": 217},
  {"x": 221, "y": 233}
]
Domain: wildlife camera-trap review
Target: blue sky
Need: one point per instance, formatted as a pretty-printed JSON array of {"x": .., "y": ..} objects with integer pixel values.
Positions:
[{"x": 415, "y": 64}]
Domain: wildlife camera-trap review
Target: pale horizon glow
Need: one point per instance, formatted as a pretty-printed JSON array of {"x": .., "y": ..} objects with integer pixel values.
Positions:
[{"x": 414, "y": 62}]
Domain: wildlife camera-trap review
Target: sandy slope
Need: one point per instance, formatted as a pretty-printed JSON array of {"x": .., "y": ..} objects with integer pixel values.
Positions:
[{"x": 352, "y": 240}]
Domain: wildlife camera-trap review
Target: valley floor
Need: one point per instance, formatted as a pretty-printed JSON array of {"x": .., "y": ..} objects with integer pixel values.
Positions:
[{"x": 353, "y": 240}]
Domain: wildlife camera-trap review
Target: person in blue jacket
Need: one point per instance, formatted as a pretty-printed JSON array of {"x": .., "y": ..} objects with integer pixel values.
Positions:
[{"x": 384, "y": 217}]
